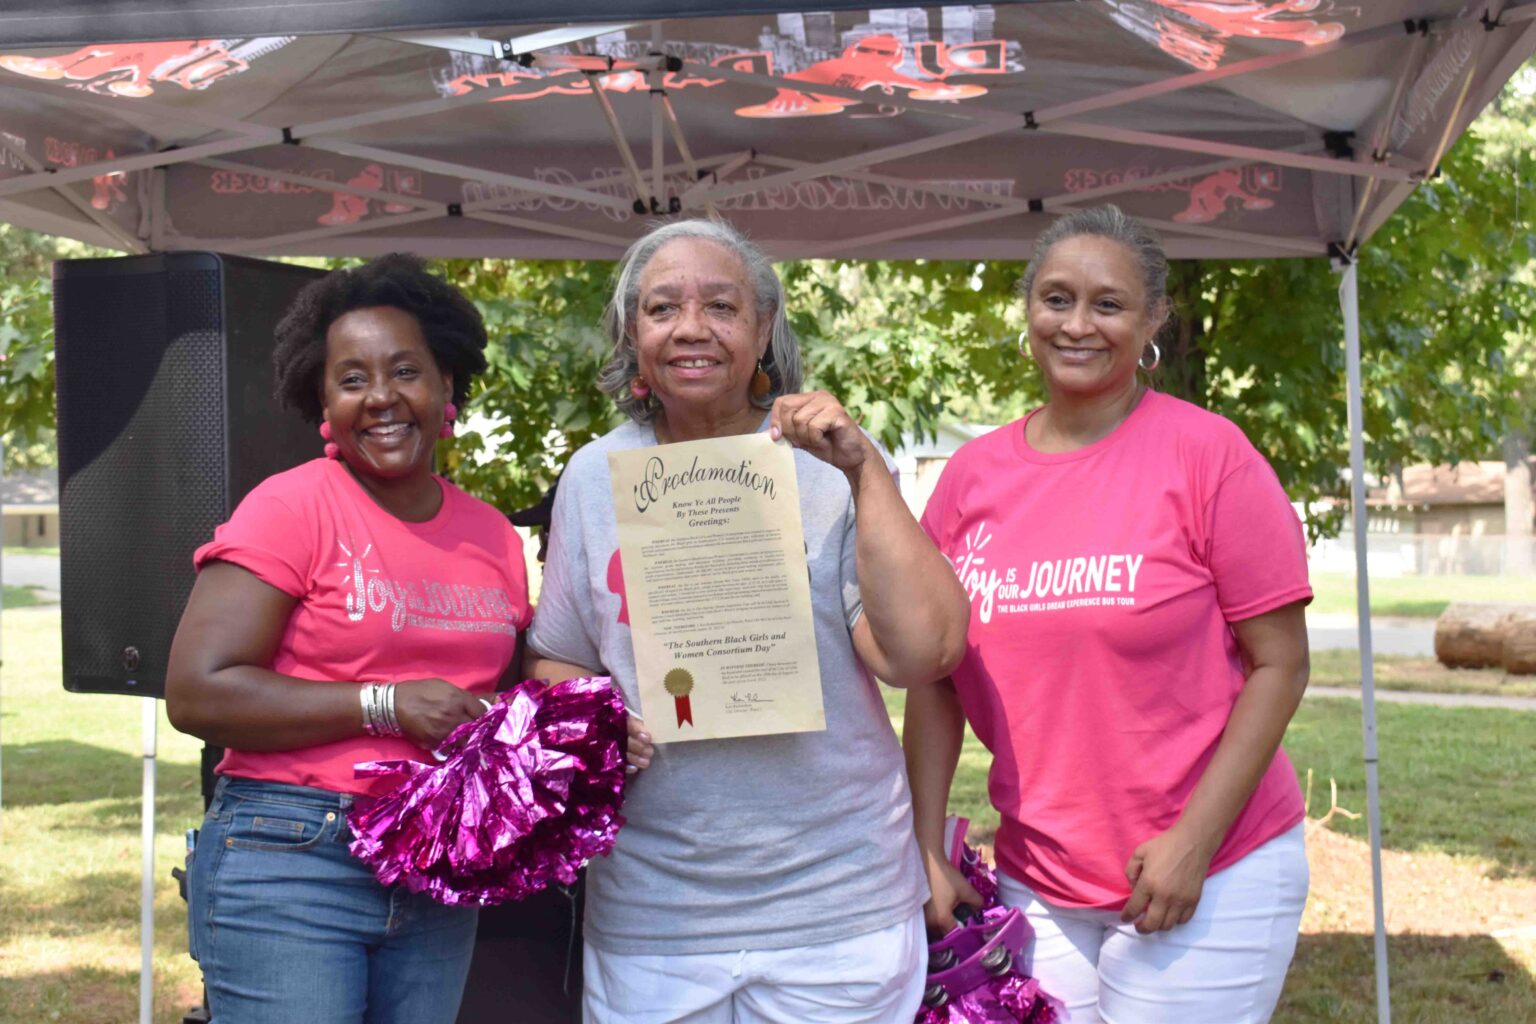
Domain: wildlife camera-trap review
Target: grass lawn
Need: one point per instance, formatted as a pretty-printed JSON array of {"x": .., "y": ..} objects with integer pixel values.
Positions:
[
  {"x": 1416, "y": 596},
  {"x": 1452, "y": 779},
  {"x": 69, "y": 863},
  {"x": 19, "y": 597},
  {"x": 1402, "y": 672}
]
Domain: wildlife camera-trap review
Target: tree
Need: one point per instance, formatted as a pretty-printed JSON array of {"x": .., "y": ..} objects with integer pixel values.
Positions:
[{"x": 26, "y": 343}]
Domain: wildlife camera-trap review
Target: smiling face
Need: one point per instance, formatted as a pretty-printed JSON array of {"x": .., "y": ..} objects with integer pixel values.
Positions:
[
  {"x": 1088, "y": 317},
  {"x": 383, "y": 393},
  {"x": 697, "y": 333}
]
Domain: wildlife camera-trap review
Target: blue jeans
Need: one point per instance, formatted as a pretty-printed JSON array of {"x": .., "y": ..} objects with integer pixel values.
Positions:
[{"x": 288, "y": 926}]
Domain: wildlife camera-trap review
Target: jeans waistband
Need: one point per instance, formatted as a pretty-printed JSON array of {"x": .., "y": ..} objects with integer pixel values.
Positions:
[{"x": 281, "y": 792}]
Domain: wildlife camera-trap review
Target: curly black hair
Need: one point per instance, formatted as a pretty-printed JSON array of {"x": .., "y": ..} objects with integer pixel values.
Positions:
[{"x": 450, "y": 323}]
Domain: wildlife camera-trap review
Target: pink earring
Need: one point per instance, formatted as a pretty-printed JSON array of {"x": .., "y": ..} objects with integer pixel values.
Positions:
[
  {"x": 640, "y": 388},
  {"x": 450, "y": 413},
  {"x": 332, "y": 451}
]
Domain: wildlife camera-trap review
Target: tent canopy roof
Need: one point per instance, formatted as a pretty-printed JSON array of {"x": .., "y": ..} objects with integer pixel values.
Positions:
[{"x": 1238, "y": 127}]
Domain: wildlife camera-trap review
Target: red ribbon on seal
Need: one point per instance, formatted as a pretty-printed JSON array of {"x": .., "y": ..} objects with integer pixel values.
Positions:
[{"x": 679, "y": 683}]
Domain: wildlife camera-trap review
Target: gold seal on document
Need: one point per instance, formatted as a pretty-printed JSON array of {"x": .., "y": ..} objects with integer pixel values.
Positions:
[{"x": 679, "y": 682}]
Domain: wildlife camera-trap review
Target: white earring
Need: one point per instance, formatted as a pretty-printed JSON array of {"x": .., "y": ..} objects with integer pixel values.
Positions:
[
  {"x": 1157, "y": 357},
  {"x": 1023, "y": 344}
]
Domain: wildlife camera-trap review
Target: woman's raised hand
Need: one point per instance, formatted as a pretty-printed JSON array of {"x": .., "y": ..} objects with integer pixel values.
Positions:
[
  {"x": 818, "y": 423},
  {"x": 429, "y": 709}
]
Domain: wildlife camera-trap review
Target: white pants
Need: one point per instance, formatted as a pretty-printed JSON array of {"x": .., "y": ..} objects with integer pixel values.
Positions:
[
  {"x": 1226, "y": 965},
  {"x": 875, "y": 978}
]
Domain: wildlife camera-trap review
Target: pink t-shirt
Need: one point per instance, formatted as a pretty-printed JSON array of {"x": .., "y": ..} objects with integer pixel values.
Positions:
[
  {"x": 380, "y": 600},
  {"x": 1101, "y": 666}
]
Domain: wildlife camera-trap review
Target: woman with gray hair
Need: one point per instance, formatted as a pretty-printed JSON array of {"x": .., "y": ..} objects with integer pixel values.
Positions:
[
  {"x": 1137, "y": 647},
  {"x": 768, "y": 878}
]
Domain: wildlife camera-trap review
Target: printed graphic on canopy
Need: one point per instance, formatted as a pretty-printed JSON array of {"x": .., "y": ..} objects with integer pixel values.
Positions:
[
  {"x": 1237, "y": 127},
  {"x": 134, "y": 69}
]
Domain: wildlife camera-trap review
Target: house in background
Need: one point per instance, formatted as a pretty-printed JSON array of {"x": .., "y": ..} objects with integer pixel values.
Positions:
[
  {"x": 1467, "y": 498},
  {"x": 921, "y": 462},
  {"x": 29, "y": 510},
  {"x": 1455, "y": 516}
]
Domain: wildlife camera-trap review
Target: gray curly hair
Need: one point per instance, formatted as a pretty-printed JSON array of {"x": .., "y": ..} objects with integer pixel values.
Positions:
[
  {"x": 1109, "y": 221},
  {"x": 781, "y": 361}
]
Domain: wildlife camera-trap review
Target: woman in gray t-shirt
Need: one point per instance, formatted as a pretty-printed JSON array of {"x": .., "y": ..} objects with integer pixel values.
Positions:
[{"x": 770, "y": 878}]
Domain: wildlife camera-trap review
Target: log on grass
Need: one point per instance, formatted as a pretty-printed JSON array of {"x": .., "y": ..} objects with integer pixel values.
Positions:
[
  {"x": 1519, "y": 647},
  {"x": 1470, "y": 634}
]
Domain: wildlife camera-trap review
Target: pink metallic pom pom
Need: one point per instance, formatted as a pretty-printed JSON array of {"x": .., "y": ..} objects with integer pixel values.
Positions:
[
  {"x": 325, "y": 429},
  {"x": 450, "y": 413},
  {"x": 529, "y": 792},
  {"x": 1010, "y": 998},
  {"x": 332, "y": 450}
]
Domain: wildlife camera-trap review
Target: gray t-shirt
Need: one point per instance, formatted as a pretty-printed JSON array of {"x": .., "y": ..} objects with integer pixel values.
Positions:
[{"x": 763, "y": 842}]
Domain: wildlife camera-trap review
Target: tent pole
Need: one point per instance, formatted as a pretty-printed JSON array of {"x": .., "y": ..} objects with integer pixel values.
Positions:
[
  {"x": 1349, "y": 301},
  {"x": 151, "y": 709}
]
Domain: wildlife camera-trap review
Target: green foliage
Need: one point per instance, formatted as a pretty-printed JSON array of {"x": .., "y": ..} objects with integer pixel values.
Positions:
[
  {"x": 26, "y": 343},
  {"x": 538, "y": 397},
  {"x": 903, "y": 345}
]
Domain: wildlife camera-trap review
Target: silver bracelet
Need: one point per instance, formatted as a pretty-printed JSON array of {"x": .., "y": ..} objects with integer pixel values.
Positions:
[
  {"x": 390, "y": 721},
  {"x": 365, "y": 696}
]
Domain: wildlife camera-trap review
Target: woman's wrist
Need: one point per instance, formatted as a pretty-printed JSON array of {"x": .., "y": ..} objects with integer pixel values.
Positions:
[
  {"x": 1203, "y": 837},
  {"x": 858, "y": 475}
]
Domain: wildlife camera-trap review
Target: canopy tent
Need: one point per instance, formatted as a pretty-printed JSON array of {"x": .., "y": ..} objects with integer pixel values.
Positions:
[{"x": 1240, "y": 128}]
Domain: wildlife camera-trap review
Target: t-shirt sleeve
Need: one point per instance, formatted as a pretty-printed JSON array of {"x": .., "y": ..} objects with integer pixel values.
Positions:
[
  {"x": 517, "y": 573},
  {"x": 1255, "y": 549},
  {"x": 564, "y": 621},
  {"x": 267, "y": 538}
]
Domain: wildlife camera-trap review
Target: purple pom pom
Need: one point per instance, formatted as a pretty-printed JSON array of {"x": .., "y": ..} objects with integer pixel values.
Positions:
[
  {"x": 528, "y": 793},
  {"x": 1012, "y": 998}
]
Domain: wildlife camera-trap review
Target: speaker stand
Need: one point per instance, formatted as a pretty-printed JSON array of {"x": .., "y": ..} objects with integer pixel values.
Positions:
[{"x": 151, "y": 721}]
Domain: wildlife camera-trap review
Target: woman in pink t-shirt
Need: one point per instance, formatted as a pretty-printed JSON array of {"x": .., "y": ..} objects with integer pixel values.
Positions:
[
  {"x": 354, "y": 608},
  {"x": 1137, "y": 647}
]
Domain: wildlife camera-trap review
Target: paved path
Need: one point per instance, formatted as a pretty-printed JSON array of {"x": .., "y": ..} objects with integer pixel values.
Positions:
[
  {"x": 1389, "y": 635},
  {"x": 1439, "y": 700},
  {"x": 30, "y": 571}
]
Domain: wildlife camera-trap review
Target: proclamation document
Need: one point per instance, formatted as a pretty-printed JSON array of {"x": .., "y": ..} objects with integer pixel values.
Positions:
[{"x": 719, "y": 594}]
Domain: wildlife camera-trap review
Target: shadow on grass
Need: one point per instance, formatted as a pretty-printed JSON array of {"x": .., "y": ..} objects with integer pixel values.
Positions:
[
  {"x": 1435, "y": 979},
  {"x": 88, "y": 995},
  {"x": 75, "y": 905},
  {"x": 54, "y": 772}
]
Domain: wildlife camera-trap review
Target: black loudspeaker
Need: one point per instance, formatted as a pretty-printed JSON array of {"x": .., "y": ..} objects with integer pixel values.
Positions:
[
  {"x": 527, "y": 965},
  {"x": 165, "y": 420}
]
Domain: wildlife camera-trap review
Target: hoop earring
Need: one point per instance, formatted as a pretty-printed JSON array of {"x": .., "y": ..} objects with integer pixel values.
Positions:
[
  {"x": 1024, "y": 344},
  {"x": 1157, "y": 357}
]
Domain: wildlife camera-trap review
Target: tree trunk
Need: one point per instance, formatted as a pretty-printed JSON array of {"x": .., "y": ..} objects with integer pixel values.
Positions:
[
  {"x": 1520, "y": 643},
  {"x": 1517, "y": 504},
  {"x": 1182, "y": 372},
  {"x": 1471, "y": 635}
]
